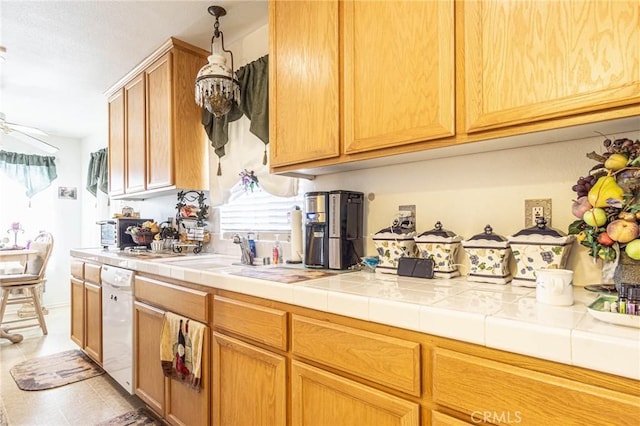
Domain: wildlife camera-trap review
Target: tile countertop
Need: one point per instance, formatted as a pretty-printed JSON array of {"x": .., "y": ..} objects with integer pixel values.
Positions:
[{"x": 497, "y": 316}]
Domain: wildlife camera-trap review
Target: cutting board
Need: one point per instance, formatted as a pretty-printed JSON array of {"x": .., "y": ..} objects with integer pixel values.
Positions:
[{"x": 281, "y": 275}]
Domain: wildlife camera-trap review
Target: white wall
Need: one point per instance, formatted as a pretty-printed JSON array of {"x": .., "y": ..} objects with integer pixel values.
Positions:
[{"x": 467, "y": 192}]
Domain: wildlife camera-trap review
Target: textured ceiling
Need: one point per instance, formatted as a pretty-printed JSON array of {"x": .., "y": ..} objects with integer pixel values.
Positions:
[{"x": 62, "y": 55}]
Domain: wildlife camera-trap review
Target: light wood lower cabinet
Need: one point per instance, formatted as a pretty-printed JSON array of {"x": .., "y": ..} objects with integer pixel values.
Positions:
[
  {"x": 86, "y": 308},
  {"x": 386, "y": 360},
  {"x": 441, "y": 419},
  {"x": 249, "y": 384},
  {"x": 149, "y": 379},
  {"x": 499, "y": 393},
  {"x": 93, "y": 320},
  {"x": 77, "y": 311},
  {"x": 175, "y": 401},
  {"x": 322, "y": 398}
]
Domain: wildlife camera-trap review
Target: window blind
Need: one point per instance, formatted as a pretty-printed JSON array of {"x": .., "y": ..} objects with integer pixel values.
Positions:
[{"x": 257, "y": 211}]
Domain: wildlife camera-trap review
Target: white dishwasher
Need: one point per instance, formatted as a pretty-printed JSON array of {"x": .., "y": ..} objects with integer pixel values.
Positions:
[{"x": 117, "y": 324}]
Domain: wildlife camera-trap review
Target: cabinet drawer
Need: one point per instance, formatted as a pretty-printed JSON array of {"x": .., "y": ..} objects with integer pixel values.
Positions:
[
  {"x": 180, "y": 300},
  {"x": 513, "y": 394},
  {"x": 77, "y": 269},
  {"x": 92, "y": 273},
  {"x": 386, "y": 360},
  {"x": 259, "y": 323}
]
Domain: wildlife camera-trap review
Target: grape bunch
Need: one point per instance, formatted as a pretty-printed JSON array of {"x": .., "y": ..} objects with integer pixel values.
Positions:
[
  {"x": 583, "y": 185},
  {"x": 623, "y": 146}
]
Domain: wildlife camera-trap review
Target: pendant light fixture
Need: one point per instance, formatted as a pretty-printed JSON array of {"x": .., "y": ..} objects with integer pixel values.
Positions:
[{"x": 216, "y": 85}]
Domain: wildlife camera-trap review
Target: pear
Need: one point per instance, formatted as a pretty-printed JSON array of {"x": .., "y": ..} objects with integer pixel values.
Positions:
[
  {"x": 616, "y": 162},
  {"x": 605, "y": 188}
]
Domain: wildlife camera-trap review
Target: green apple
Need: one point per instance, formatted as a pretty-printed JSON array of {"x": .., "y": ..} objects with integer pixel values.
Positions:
[
  {"x": 633, "y": 249},
  {"x": 595, "y": 217}
]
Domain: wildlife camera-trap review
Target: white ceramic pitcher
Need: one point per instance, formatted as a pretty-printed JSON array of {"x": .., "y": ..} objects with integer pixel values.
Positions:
[{"x": 554, "y": 287}]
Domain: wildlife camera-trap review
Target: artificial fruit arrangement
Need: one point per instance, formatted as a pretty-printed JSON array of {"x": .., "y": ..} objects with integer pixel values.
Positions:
[
  {"x": 147, "y": 227},
  {"x": 608, "y": 203}
]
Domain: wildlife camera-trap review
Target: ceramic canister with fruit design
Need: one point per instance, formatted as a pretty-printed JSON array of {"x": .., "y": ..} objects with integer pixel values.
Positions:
[
  {"x": 488, "y": 255},
  {"x": 442, "y": 246},
  {"x": 538, "y": 247},
  {"x": 392, "y": 244}
]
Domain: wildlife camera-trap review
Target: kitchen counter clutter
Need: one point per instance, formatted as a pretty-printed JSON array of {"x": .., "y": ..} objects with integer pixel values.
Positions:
[{"x": 496, "y": 316}]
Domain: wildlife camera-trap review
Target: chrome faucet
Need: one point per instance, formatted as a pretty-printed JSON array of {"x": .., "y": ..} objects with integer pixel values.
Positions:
[{"x": 247, "y": 258}]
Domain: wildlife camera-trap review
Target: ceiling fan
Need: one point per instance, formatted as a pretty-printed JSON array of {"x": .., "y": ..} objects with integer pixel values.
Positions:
[{"x": 26, "y": 134}]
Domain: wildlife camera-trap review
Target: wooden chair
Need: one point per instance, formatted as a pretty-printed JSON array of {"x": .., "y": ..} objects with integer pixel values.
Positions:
[{"x": 24, "y": 288}]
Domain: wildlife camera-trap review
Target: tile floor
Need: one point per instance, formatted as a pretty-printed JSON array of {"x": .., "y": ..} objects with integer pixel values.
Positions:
[{"x": 82, "y": 403}]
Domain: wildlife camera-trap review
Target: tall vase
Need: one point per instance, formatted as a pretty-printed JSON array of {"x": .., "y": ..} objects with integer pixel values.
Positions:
[{"x": 627, "y": 271}]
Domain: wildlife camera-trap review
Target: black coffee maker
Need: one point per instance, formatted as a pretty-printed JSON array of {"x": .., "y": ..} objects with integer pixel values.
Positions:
[{"x": 334, "y": 235}]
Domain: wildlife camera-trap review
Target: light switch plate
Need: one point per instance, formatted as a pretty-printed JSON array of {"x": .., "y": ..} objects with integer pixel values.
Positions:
[{"x": 535, "y": 208}]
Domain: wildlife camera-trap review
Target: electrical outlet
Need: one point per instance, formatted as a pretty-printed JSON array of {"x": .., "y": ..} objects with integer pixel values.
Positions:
[
  {"x": 537, "y": 208},
  {"x": 408, "y": 215}
]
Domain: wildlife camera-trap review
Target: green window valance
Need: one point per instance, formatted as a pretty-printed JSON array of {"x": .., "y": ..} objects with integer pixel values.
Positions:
[
  {"x": 34, "y": 172},
  {"x": 98, "y": 173}
]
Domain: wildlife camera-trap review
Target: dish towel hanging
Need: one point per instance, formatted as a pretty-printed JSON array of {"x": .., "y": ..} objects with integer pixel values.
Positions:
[
  {"x": 98, "y": 173},
  {"x": 181, "y": 349}
]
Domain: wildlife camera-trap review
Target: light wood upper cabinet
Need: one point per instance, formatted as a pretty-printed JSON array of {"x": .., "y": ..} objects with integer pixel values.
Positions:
[
  {"x": 397, "y": 73},
  {"x": 353, "y": 76},
  {"x": 304, "y": 83},
  {"x": 535, "y": 60},
  {"x": 418, "y": 75},
  {"x": 134, "y": 99},
  {"x": 164, "y": 145},
  {"x": 116, "y": 143},
  {"x": 159, "y": 142}
]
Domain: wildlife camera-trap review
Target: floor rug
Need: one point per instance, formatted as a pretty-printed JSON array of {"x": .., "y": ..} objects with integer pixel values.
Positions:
[
  {"x": 56, "y": 370},
  {"x": 3, "y": 414},
  {"x": 139, "y": 417}
]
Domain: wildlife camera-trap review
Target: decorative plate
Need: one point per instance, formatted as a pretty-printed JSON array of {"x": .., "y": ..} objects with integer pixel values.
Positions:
[{"x": 597, "y": 310}]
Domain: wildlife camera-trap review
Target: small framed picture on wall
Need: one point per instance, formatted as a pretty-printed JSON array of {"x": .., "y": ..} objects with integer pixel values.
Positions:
[{"x": 67, "y": 192}]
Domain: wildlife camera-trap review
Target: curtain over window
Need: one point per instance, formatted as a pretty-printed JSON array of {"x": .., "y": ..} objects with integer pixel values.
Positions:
[
  {"x": 33, "y": 172},
  {"x": 254, "y": 95},
  {"x": 98, "y": 173}
]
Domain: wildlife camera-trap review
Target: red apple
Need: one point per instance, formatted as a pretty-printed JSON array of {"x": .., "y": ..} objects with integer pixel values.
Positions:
[
  {"x": 580, "y": 206},
  {"x": 623, "y": 231},
  {"x": 605, "y": 239}
]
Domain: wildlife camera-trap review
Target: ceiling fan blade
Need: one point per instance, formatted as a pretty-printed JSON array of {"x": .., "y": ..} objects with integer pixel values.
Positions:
[
  {"x": 33, "y": 141},
  {"x": 26, "y": 129}
]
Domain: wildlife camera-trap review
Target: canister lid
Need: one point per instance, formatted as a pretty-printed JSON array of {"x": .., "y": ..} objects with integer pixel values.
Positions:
[
  {"x": 486, "y": 239},
  {"x": 438, "y": 234},
  {"x": 540, "y": 232}
]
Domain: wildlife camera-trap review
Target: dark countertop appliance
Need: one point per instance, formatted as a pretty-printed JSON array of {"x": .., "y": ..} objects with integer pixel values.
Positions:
[
  {"x": 113, "y": 232},
  {"x": 334, "y": 234}
]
